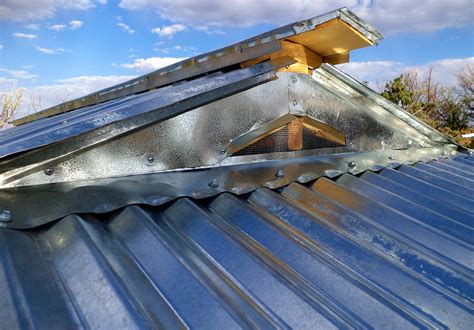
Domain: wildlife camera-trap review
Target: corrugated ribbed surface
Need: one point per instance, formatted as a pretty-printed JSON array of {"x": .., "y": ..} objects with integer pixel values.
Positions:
[{"x": 387, "y": 250}]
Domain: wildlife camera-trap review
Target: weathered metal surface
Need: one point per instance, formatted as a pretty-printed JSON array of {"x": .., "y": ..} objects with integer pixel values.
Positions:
[
  {"x": 105, "y": 195},
  {"x": 385, "y": 249},
  {"x": 327, "y": 73},
  {"x": 71, "y": 132},
  {"x": 252, "y": 48},
  {"x": 366, "y": 125},
  {"x": 203, "y": 136}
]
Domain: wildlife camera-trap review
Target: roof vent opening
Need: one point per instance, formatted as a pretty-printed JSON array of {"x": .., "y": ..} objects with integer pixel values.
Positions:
[{"x": 288, "y": 133}]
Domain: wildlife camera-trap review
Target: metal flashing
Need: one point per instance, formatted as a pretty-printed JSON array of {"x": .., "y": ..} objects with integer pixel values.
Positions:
[
  {"x": 241, "y": 177},
  {"x": 115, "y": 118}
]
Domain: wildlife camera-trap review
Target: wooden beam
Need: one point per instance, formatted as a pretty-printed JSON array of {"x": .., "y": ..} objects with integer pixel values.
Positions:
[
  {"x": 306, "y": 59},
  {"x": 337, "y": 58}
]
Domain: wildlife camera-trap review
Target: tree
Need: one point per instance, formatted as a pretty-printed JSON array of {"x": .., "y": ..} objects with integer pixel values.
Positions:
[
  {"x": 447, "y": 108},
  {"x": 465, "y": 88},
  {"x": 10, "y": 103},
  {"x": 400, "y": 92}
]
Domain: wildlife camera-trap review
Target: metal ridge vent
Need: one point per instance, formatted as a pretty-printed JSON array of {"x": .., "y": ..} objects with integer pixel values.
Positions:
[{"x": 385, "y": 249}]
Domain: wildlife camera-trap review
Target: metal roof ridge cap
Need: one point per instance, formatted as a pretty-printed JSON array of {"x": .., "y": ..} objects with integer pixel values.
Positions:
[
  {"x": 285, "y": 31},
  {"x": 353, "y": 20}
]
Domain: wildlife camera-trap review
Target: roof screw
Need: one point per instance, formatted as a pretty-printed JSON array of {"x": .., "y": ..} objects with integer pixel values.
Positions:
[
  {"x": 391, "y": 157},
  {"x": 48, "y": 171},
  {"x": 214, "y": 183},
  {"x": 295, "y": 80},
  {"x": 223, "y": 151},
  {"x": 351, "y": 164},
  {"x": 151, "y": 159},
  {"x": 295, "y": 102},
  {"x": 5, "y": 216},
  {"x": 280, "y": 174}
]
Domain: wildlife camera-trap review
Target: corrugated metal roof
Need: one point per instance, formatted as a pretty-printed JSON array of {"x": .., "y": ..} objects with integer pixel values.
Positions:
[{"x": 388, "y": 249}]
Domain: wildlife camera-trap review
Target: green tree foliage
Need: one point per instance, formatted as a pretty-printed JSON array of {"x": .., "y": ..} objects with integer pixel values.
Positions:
[
  {"x": 447, "y": 108},
  {"x": 399, "y": 92}
]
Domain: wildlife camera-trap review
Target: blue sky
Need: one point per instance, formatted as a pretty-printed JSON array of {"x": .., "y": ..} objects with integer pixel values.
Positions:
[{"x": 61, "y": 49}]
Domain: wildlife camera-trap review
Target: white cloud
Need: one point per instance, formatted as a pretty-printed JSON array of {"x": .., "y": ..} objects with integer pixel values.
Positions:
[
  {"x": 168, "y": 31},
  {"x": 45, "y": 96},
  {"x": 52, "y": 51},
  {"x": 103, "y": 2},
  {"x": 75, "y": 24},
  {"x": 34, "y": 27},
  {"x": 57, "y": 27},
  {"x": 126, "y": 28},
  {"x": 17, "y": 74},
  {"x": 24, "y": 35},
  {"x": 19, "y": 10},
  {"x": 389, "y": 16},
  {"x": 151, "y": 63},
  {"x": 178, "y": 48},
  {"x": 377, "y": 73},
  {"x": 419, "y": 16},
  {"x": 208, "y": 30},
  {"x": 1, "y": 46}
]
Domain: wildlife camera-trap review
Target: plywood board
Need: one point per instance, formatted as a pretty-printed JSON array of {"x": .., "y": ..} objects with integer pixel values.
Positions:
[{"x": 332, "y": 37}]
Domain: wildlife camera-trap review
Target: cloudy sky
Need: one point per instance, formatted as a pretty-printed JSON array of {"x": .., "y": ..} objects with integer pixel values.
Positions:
[{"x": 61, "y": 49}]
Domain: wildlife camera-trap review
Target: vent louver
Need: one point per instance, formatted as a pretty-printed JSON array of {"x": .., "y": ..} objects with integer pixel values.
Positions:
[{"x": 288, "y": 133}]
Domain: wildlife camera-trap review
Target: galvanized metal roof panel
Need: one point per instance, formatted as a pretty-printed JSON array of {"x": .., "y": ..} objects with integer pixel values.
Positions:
[
  {"x": 152, "y": 106},
  {"x": 382, "y": 249}
]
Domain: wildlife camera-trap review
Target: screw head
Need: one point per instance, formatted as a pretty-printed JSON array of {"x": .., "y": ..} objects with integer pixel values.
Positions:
[
  {"x": 295, "y": 102},
  {"x": 351, "y": 164},
  {"x": 295, "y": 80},
  {"x": 151, "y": 159},
  {"x": 280, "y": 174},
  {"x": 391, "y": 157},
  {"x": 5, "y": 216},
  {"x": 48, "y": 171},
  {"x": 223, "y": 151},
  {"x": 213, "y": 183}
]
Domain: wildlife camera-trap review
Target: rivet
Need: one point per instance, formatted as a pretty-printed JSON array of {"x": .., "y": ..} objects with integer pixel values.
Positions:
[
  {"x": 151, "y": 159},
  {"x": 223, "y": 151},
  {"x": 213, "y": 183},
  {"x": 280, "y": 174},
  {"x": 295, "y": 102},
  {"x": 48, "y": 171},
  {"x": 351, "y": 164},
  {"x": 295, "y": 80}
]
